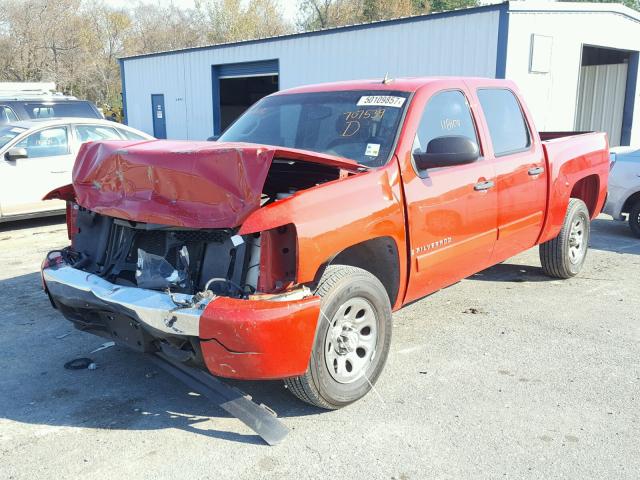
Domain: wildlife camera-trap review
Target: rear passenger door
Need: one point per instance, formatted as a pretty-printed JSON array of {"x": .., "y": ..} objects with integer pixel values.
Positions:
[
  {"x": 520, "y": 170},
  {"x": 47, "y": 167}
]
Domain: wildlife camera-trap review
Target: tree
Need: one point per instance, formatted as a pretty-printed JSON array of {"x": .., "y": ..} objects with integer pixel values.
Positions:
[
  {"x": 444, "y": 5},
  {"x": 635, "y": 4},
  {"x": 77, "y": 43},
  {"x": 234, "y": 20},
  {"x": 318, "y": 14}
]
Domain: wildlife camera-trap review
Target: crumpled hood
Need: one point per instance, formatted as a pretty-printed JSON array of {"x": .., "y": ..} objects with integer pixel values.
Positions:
[{"x": 180, "y": 183}]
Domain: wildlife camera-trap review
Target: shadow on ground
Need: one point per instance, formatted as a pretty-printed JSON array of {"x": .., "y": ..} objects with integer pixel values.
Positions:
[
  {"x": 126, "y": 391},
  {"x": 17, "y": 225},
  {"x": 613, "y": 236},
  {"x": 606, "y": 234},
  {"x": 509, "y": 272}
]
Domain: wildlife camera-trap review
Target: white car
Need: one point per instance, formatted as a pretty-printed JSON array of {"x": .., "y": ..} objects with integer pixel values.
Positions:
[
  {"x": 37, "y": 156},
  {"x": 624, "y": 186}
]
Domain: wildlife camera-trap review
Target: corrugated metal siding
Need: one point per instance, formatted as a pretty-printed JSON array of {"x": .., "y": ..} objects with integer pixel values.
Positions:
[
  {"x": 462, "y": 44},
  {"x": 552, "y": 97},
  {"x": 231, "y": 70},
  {"x": 601, "y": 100}
]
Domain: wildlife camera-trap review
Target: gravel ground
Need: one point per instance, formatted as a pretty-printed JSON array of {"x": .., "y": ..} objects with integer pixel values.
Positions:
[{"x": 507, "y": 374}]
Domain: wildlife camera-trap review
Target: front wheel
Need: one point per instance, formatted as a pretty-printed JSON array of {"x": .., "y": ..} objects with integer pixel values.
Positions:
[
  {"x": 352, "y": 339},
  {"x": 634, "y": 218},
  {"x": 563, "y": 256}
]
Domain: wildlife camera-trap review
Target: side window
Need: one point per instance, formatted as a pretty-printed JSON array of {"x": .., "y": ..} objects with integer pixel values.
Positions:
[
  {"x": 129, "y": 135},
  {"x": 447, "y": 113},
  {"x": 90, "y": 133},
  {"x": 50, "y": 142},
  {"x": 507, "y": 127},
  {"x": 7, "y": 115}
]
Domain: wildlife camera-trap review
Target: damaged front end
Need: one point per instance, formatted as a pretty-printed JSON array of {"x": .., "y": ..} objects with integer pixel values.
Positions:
[{"x": 156, "y": 261}]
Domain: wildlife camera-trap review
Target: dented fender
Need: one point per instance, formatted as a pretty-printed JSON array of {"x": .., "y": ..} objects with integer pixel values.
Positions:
[{"x": 334, "y": 216}]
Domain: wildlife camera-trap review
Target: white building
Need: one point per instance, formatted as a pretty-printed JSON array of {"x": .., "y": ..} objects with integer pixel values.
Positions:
[{"x": 576, "y": 64}]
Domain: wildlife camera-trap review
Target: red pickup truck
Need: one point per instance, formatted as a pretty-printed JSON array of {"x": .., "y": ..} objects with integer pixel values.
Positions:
[{"x": 280, "y": 251}]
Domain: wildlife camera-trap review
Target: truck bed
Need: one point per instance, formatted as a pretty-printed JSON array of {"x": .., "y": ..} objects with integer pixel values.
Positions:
[
  {"x": 545, "y": 136},
  {"x": 580, "y": 159}
]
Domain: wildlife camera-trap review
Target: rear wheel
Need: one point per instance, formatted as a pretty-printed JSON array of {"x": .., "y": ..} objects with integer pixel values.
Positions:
[
  {"x": 352, "y": 339},
  {"x": 634, "y": 219},
  {"x": 563, "y": 256}
]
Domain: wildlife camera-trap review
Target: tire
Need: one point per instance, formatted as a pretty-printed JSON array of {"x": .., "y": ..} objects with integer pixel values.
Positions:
[
  {"x": 356, "y": 300},
  {"x": 563, "y": 256},
  {"x": 634, "y": 219}
]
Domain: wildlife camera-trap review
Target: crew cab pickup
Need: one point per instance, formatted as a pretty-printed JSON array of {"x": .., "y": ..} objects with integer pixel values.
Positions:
[{"x": 281, "y": 250}]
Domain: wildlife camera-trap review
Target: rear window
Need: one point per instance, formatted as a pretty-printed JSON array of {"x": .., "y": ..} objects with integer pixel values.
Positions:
[
  {"x": 62, "y": 109},
  {"x": 91, "y": 133},
  {"x": 507, "y": 127},
  {"x": 129, "y": 135}
]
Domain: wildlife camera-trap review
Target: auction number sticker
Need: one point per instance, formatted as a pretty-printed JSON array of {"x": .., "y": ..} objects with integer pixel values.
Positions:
[{"x": 381, "y": 101}]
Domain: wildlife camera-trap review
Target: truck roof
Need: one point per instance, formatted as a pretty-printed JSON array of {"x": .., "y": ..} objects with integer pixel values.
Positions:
[{"x": 393, "y": 84}]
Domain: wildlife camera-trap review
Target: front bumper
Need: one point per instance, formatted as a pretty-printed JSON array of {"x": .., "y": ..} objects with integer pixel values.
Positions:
[
  {"x": 155, "y": 310},
  {"x": 267, "y": 338}
]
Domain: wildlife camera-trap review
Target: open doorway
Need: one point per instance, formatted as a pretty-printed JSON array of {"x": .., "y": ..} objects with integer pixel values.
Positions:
[
  {"x": 603, "y": 92},
  {"x": 239, "y": 93},
  {"x": 237, "y": 86}
]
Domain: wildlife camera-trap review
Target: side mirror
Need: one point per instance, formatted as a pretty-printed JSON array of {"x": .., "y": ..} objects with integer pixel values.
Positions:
[
  {"x": 447, "y": 151},
  {"x": 15, "y": 154}
]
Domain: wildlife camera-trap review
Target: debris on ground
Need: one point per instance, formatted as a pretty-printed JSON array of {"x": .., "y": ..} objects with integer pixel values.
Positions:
[
  {"x": 92, "y": 366},
  {"x": 79, "y": 364},
  {"x": 103, "y": 346},
  {"x": 474, "y": 311},
  {"x": 60, "y": 337}
]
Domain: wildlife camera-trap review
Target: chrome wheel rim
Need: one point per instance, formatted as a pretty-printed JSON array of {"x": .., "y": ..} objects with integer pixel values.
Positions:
[
  {"x": 350, "y": 342},
  {"x": 577, "y": 243}
]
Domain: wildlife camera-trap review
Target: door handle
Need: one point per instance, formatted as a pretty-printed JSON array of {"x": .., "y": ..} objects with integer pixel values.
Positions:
[
  {"x": 478, "y": 187},
  {"x": 59, "y": 171},
  {"x": 536, "y": 171}
]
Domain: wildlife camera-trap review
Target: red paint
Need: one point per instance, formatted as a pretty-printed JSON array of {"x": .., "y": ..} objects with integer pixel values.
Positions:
[
  {"x": 62, "y": 193},
  {"x": 186, "y": 184},
  {"x": 278, "y": 253},
  {"x": 443, "y": 229},
  {"x": 258, "y": 339}
]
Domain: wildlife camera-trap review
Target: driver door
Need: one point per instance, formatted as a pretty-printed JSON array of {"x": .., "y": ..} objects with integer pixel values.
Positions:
[
  {"x": 25, "y": 181},
  {"x": 452, "y": 211}
]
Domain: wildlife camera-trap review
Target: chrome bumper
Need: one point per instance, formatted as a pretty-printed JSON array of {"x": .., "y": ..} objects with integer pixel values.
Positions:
[{"x": 78, "y": 289}]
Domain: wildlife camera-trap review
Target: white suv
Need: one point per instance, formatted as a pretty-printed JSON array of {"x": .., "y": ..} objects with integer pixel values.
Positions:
[{"x": 624, "y": 186}]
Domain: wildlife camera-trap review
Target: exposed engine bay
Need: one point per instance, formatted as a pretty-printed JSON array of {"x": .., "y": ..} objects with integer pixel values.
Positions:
[
  {"x": 157, "y": 257},
  {"x": 189, "y": 260}
]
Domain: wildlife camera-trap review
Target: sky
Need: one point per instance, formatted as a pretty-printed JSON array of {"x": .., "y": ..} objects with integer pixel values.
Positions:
[{"x": 289, "y": 6}]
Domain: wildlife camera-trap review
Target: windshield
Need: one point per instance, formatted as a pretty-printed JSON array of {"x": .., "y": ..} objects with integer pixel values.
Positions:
[
  {"x": 9, "y": 133},
  {"x": 60, "y": 109},
  {"x": 360, "y": 125}
]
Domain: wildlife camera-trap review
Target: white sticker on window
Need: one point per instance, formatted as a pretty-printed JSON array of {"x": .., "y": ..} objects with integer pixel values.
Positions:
[
  {"x": 373, "y": 149},
  {"x": 381, "y": 101}
]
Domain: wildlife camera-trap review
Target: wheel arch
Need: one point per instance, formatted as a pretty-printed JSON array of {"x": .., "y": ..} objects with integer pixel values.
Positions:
[
  {"x": 587, "y": 189},
  {"x": 378, "y": 256},
  {"x": 629, "y": 202}
]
